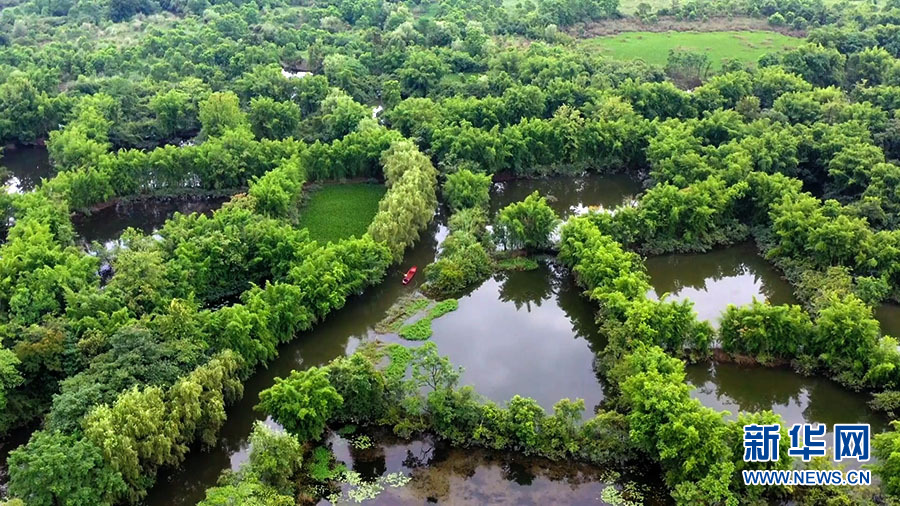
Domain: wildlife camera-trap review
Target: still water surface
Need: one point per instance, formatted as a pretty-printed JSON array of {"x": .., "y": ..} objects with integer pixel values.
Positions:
[
  {"x": 22, "y": 168},
  {"x": 443, "y": 474},
  {"x": 735, "y": 275},
  {"x": 797, "y": 398},
  {"x": 528, "y": 333},
  {"x": 713, "y": 280},
  {"x": 145, "y": 215}
]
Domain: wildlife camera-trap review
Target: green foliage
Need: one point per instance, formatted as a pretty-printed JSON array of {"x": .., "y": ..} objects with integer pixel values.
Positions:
[
  {"x": 410, "y": 202},
  {"x": 690, "y": 439},
  {"x": 362, "y": 389},
  {"x": 220, "y": 113},
  {"x": 341, "y": 115},
  {"x": 420, "y": 330},
  {"x": 302, "y": 403},
  {"x": 885, "y": 449},
  {"x": 443, "y": 307},
  {"x": 464, "y": 261},
  {"x": 322, "y": 467},
  {"x": 278, "y": 192},
  {"x": 56, "y": 467},
  {"x": 401, "y": 311},
  {"x": 273, "y": 120},
  {"x": 517, "y": 263},
  {"x": 464, "y": 189},
  {"x": 528, "y": 224},
  {"x": 763, "y": 330},
  {"x": 845, "y": 335},
  {"x": 275, "y": 458}
]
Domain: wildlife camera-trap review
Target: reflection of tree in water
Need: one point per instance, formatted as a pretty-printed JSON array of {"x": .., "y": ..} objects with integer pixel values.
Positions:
[
  {"x": 470, "y": 473},
  {"x": 580, "y": 311},
  {"x": 516, "y": 472},
  {"x": 524, "y": 288},
  {"x": 370, "y": 463},
  {"x": 815, "y": 400},
  {"x": 751, "y": 389},
  {"x": 673, "y": 273},
  {"x": 830, "y": 403}
]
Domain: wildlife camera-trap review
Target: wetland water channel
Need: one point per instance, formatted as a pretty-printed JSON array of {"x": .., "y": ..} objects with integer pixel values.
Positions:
[
  {"x": 528, "y": 333},
  {"x": 22, "y": 168}
]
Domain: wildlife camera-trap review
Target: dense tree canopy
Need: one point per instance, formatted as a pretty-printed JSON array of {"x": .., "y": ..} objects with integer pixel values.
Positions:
[{"x": 128, "y": 371}]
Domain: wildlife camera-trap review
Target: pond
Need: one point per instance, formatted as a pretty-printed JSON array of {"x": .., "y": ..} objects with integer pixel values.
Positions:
[
  {"x": 22, "y": 168},
  {"x": 529, "y": 333},
  {"x": 146, "y": 215},
  {"x": 541, "y": 309},
  {"x": 713, "y": 280},
  {"x": 735, "y": 275},
  {"x": 797, "y": 398},
  {"x": 566, "y": 195}
]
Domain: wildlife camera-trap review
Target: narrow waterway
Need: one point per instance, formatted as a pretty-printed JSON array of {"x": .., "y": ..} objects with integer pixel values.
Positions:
[
  {"x": 569, "y": 195},
  {"x": 797, "y": 398},
  {"x": 888, "y": 315}
]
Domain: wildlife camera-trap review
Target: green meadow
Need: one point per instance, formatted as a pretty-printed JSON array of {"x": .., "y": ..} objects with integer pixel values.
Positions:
[
  {"x": 334, "y": 212},
  {"x": 653, "y": 47}
]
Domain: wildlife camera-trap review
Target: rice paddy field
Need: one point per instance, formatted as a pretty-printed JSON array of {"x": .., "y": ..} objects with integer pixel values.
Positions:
[
  {"x": 335, "y": 212},
  {"x": 653, "y": 47}
]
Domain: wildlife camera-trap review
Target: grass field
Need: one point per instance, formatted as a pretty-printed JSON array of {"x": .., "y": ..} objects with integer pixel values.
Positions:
[
  {"x": 335, "y": 212},
  {"x": 653, "y": 47}
]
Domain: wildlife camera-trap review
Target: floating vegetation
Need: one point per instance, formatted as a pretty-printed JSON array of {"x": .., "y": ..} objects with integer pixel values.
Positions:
[
  {"x": 361, "y": 490},
  {"x": 443, "y": 307},
  {"x": 417, "y": 331},
  {"x": 402, "y": 310},
  {"x": 322, "y": 466},
  {"x": 408, "y": 307},
  {"x": 361, "y": 442}
]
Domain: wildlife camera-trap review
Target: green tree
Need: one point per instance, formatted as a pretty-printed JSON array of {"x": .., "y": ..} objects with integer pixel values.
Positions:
[
  {"x": 303, "y": 402},
  {"x": 273, "y": 120},
  {"x": 763, "y": 330},
  {"x": 275, "y": 457},
  {"x": 465, "y": 188},
  {"x": 528, "y": 224},
  {"x": 219, "y": 113},
  {"x": 341, "y": 115},
  {"x": 56, "y": 468}
]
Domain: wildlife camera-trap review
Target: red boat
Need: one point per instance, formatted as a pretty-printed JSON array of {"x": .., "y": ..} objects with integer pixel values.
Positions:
[{"x": 409, "y": 275}]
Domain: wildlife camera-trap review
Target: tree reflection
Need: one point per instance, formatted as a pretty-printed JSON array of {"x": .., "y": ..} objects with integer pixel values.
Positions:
[{"x": 526, "y": 288}]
